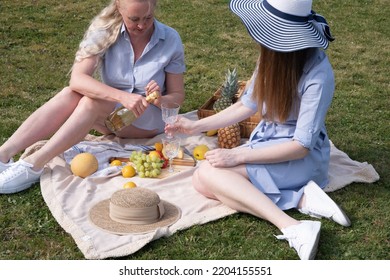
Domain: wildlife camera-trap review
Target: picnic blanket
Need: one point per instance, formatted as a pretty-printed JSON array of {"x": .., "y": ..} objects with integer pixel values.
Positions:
[{"x": 69, "y": 198}]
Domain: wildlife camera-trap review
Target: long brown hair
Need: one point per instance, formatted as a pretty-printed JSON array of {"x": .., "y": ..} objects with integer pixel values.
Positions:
[{"x": 276, "y": 83}]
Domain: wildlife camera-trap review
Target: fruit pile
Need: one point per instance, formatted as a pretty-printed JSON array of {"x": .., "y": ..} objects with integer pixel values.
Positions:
[{"x": 147, "y": 166}]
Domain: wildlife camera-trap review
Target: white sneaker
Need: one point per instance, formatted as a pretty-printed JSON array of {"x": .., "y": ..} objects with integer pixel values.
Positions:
[
  {"x": 303, "y": 238},
  {"x": 4, "y": 166},
  {"x": 319, "y": 204},
  {"x": 18, "y": 177}
]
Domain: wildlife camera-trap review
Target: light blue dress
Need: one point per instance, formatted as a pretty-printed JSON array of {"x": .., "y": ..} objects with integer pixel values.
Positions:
[
  {"x": 283, "y": 182},
  {"x": 163, "y": 54}
]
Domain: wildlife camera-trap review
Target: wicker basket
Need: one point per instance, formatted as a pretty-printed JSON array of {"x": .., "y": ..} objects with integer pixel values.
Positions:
[
  {"x": 246, "y": 125},
  {"x": 207, "y": 110}
]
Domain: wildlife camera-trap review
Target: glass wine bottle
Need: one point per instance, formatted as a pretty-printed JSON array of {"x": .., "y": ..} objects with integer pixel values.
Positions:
[{"x": 123, "y": 117}]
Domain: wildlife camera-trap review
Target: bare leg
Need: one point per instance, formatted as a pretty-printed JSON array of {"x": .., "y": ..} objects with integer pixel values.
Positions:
[
  {"x": 232, "y": 187},
  {"x": 85, "y": 115},
  {"x": 41, "y": 124},
  {"x": 135, "y": 132},
  {"x": 127, "y": 132}
]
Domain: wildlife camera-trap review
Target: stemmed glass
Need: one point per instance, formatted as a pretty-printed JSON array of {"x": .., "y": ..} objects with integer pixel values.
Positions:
[
  {"x": 170, "y": 111},
  {"x": 171, "y": 148}
]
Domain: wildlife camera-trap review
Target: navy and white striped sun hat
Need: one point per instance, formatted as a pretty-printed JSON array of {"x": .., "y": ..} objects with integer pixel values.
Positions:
[{"x": 283, "y": 25}]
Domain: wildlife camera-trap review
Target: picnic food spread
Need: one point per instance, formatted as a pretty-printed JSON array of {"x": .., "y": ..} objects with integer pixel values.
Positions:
[
  {"x": 147, "y": 165},
  {"x": 143, "y": 163}
]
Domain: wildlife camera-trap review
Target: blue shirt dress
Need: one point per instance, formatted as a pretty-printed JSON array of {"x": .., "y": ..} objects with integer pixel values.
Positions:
[
  {"x": 283, "y": 182},
  {"x": 163, "y": 54}
]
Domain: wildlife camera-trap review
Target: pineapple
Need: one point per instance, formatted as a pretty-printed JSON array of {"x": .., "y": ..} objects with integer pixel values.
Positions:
[
  {"x": 228, "y": 137},
  {"x": 229, "y": 89}
]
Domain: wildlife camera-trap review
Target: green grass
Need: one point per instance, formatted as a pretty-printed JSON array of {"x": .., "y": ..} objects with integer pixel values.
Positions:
[{"x": 38, "y": 40}]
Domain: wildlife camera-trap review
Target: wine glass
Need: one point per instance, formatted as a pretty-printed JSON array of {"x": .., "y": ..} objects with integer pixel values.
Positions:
[
  {"x": 170, "y": 111},
  {"x": 171, "y": 148}
]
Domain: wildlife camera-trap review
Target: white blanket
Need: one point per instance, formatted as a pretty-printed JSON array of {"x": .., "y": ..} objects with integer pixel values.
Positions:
[{"x": 69, "y": 197}]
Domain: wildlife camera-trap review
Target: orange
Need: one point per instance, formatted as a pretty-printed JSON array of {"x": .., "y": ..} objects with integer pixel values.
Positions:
[
  {"x": 116, "y": 162},
  {"x": 129, "y": 185},
  {"x": 158, "y": 146},
  {"x": 154, "y": 154},
  {"x": 128, "y": 171}
]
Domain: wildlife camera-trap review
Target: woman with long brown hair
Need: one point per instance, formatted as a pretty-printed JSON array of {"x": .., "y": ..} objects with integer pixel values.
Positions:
[{"x": 284, "y": 165}]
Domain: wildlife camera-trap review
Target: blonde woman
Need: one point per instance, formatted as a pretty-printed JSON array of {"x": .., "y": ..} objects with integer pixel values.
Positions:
[
  {"x": 285, "y": 163},
  {"x": 135, "y": 55}
]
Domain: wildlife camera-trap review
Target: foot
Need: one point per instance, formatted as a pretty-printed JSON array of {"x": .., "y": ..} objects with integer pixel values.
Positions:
[
  {"x": 303, "y": 238},
  {"x": 319, "y": 204},
  {"x": 18, "y": 177},
  {"x": 4, "y": 166}
]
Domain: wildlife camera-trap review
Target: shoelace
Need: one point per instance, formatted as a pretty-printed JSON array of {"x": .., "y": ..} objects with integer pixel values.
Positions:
[
  {"x": 14, "y": 171},
  {"x": 7, "y": 164},
  {"x": 289, "y": 237}
]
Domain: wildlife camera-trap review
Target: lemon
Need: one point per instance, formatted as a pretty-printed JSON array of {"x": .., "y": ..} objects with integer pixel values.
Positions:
[
  {"x": 200, "y": 151},
  {"x": 212, "y": 132},
  {"x": 84, "y": 164},
  {"x": 129, "y": 185},
  {"x": 128, "y": 171},
  {"x": 116, "y": 162}
]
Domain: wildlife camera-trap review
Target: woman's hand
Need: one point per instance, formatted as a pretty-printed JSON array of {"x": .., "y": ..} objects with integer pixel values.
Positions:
[
  {"x": 182, "y": 125},
  {"x": 136, "y": 103},
  {"x": 151, "y": 87},
  {"x": 224, "y": 157}
]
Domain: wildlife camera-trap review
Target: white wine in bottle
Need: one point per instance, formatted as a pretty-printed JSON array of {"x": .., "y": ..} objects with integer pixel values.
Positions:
[{"x": 123, "y": 117}]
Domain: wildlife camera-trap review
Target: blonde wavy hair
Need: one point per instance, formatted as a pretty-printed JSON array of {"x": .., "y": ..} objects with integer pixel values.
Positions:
[{"x": 103, "y": 31}]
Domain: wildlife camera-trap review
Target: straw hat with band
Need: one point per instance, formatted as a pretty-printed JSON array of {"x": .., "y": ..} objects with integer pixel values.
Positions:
[
  {"x": 283, "y": 25},
  {"x": 133, "y": 211}
]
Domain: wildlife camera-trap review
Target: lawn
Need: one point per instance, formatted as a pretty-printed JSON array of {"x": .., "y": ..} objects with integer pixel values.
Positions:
[{"x": 38, "y": 40}]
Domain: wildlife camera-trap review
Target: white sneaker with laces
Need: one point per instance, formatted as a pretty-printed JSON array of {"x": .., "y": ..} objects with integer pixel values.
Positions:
[
  {"x": 303, "y": 238},
  {"x": 18, "y": 177},
  {"x": 4, "y": 166},
  {"x": 318, "y": 204}
]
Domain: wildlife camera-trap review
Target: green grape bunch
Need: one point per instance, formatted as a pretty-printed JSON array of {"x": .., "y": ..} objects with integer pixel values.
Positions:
[{"x": 147, "y": 166}]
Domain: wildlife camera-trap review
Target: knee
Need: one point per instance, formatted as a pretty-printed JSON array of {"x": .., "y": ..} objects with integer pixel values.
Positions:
[
  {"x": 201, "y": 179},
  {"x": 98, "y": 107},
  {"x": 199, "y": 186},
  {"x": 68, "y": 95},
  {"x": 87, "y": 104},
  {"x": 196, "y": 180},
  {"x": 67, "y": 90}
]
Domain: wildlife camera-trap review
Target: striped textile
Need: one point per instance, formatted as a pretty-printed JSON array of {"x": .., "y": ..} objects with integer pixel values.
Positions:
[{"x": 280, "y": 31}]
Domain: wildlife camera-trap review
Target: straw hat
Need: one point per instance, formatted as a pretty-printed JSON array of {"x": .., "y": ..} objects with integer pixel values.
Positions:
[
  {"x": 283, "y": 25},
  {"x": 133, "y": 211}
]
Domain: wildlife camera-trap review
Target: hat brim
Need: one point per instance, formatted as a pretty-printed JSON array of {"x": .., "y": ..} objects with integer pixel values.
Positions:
[
  {"x": 99, "y": 216},
  {"x": 276, "y": 33}
]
